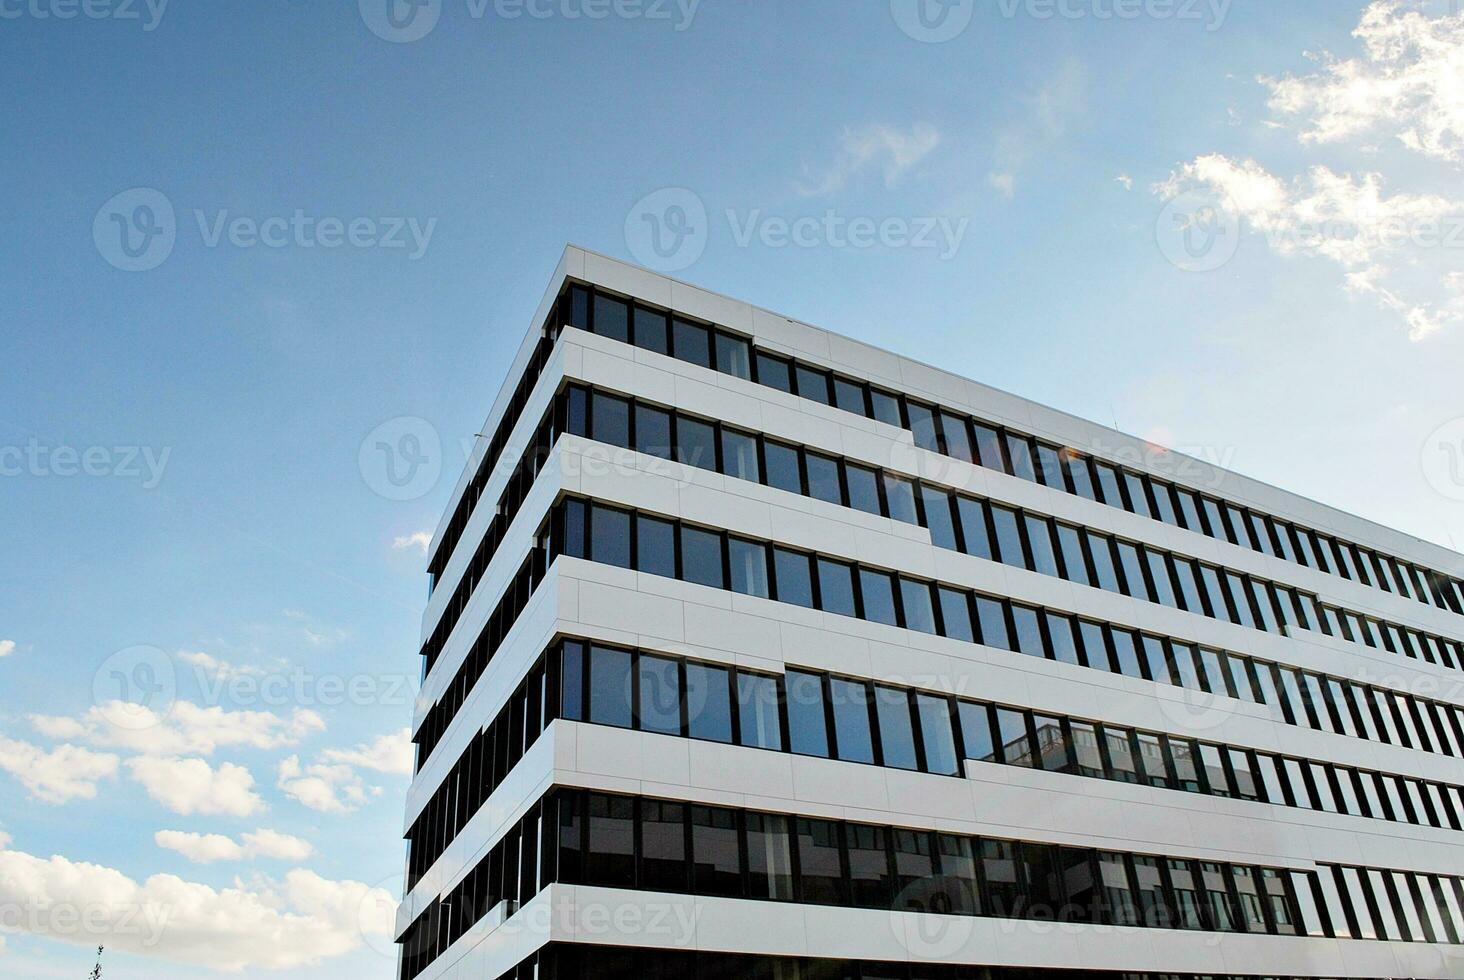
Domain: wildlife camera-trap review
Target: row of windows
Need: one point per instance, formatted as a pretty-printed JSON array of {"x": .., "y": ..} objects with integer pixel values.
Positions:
[
  {"x": 569, "y": 962},
  {"x": 515, "y": 597},
  {"x": 511, "y": 871},
  {"x": 853, "y": 720},
  {"x": 586, "y": 838},
  {"x": 483, "y": 766},
  {"x": 973, "y": 440},
  {"x": 525, "y": 472},
  {"x": 1403, "y": 906},
  {"x": 707, "y": 557},
  {"x": 661, "y": 846},
  {"x": 497, "y": 445},
  {"x": 989, "y": 530}
]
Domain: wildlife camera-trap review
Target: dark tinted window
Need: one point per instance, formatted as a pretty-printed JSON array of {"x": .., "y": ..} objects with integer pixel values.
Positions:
[
  {"x": 653, "y": 431},
  {"x": 659, "y": 709},
  {"x": 782, "y": 466},
  {"x": 812, "y": 384},
  {"x": 610, "y": 419},
  {"x": 610, "y": 687},
  {"x": 734, "y": 356},
  {"x": 915, "y": 599},
  {"x": 709, "y": 702},
  {"x": 655, "y": 546},
  {"x": 769, "y": 857},
  {"x": 852, "y": 732},
  {"x": 610, "y": 536},
  {"x": 937, "y": 504},
  {"x": 793, "y": 577},
  {"x": 900, "y": 498},
  {"x": 922, "y": 425},
  {"x": 886, "y": 406},
  {"x": 896, "y": 734},
  {"x": 863, "y": 488},
  {"x": 1019, "y": 453},
  {"x": 849, "y": 395},
  {"x": 821, "y": 872},
  {"x": 1008, "y": 538},
  {"x": 749, "y": 565},
  {"x": 993, "y": 623},
  {"x": 936, "y": 734},
  {"x": 701, "y": 557},
  {"x": 836, "y": 587},
  {"x": 739, "y": 455},
  {"x": 612, "y": 318},
  {"x": 696, "y": 443},
  {"x": 877, "y": 589},
  {"x": 609, "y": 857},
  {"x": 823, "y": 478},
  {"x": 955, "y": 614},
  {"x": 757, "y": 711},
  {"x": 773, "y": 372},
  {"x": 650, "y": 330},
  {"x": 716, "y": 854},
  {"x": 807, "y": 728},
  {"x": 957, "y": 436},
  {"x": 693, "y": 343},
  {"x": 663, "y": 846}
]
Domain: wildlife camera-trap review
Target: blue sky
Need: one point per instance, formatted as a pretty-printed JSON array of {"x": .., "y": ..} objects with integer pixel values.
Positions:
[{"x": 224, "y": 536}]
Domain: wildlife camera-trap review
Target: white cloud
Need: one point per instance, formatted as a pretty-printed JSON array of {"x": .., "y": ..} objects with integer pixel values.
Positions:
[
  {"x": 184, "y": 728},
  {"x": 874, "y": 146},
  {"x": 273, "y": 844},
  {"x": 7, "y": 647},
  {"x": 5, "y": 840},
  {"x": 67, "y": 772},
  {"x": 1124, "y": 181},
  {"x": 392, "y": 753},
  {"x": 1003, "y": 184},
  {"x": 299, "y": 920},
  {"x": 206, "y": 848},
  {"x": 1408, "y": 83},
  {"x": 218, "y": 668},
  {"x": 419, "y": 539},
  {"x": 199, "y": 848},
  {"x": 327, "y": 788},
  {"x": 190, "y": 786},
  {"x": 1394, "y": 247}
]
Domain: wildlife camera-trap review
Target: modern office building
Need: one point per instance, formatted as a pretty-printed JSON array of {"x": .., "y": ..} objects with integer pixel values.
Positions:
[{"x": 755, "y": 651}]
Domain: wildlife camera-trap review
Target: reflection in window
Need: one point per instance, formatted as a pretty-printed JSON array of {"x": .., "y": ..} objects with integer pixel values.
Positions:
[
  {"x": 807, "y": 728},
  {"x": 782, "y": 466},
  {"x": 877, "y": 590},
  {"x": 655, "y": 546},
  {"x": 836, "y": 587},
  {"x": 739, "y": 455},
  {"x": 708, "y": 702},
  {"x": 896, "y": 734},
  {"x": 852, "y": 732},
  {"x": 733, "y": 356},
  {"x": 863, "y": 488},
  {"x": 701, "y": 557},
  {"x": 693, "y": 343},
  {"x": 936, "y": 735},
  {"x": 660, "y": 695},
  {"x": 610, "y": 536},
  {"x": 794, "y": 578},
  {"x": 757, "y": 711},
  {"x": 748, "y": 561},
  {"x": 610, "y": 687}
]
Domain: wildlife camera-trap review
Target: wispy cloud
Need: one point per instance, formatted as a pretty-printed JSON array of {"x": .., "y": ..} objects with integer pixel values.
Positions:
[
  {"x": 1407, "y": 84},
  {"x": 1003, "y": 184},
  {"x": 874, "y": 146},
  {"x": 1124, "y": 181},
  {"x": 7, "y": 647},
  {"x": 419, "y": 540},
  {"x": 207, "y": 848},
  {"x": 1040, "y": 119}
]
